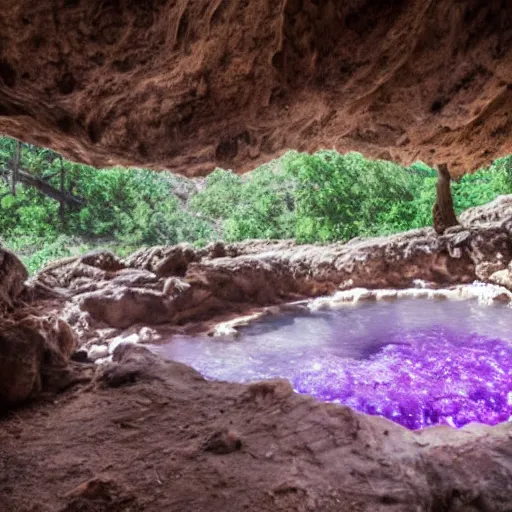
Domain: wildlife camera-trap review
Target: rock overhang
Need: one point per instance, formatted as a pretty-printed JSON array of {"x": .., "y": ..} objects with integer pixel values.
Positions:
[{"x": 192, "y": 84}]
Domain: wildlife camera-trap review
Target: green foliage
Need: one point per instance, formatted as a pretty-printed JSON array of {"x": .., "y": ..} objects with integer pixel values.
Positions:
[
  {"x": 315, "y": 198},
  {"x": 342, "y": 196},
  {"x": 221, "y": 194},
  {"x": 483, "y": 186},
  {"x": 124, "y": 208},
  {"x": 37, "y": 252},
  {"x": 258, "y": 205}
]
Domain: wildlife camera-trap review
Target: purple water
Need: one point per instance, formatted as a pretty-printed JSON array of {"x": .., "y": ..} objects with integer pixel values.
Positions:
[{"x": 416, "y": 362}]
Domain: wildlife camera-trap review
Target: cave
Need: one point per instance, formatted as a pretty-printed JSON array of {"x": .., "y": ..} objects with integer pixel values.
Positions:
[{"x": 182, "y": 377}]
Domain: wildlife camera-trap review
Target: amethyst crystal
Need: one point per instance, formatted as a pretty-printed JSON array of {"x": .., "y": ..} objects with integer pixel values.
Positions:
[
  {"x": 418, "y": 363},
  {"x": 420, "y": 378}
]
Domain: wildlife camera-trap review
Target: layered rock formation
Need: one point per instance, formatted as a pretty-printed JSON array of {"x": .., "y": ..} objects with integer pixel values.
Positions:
[
  {"x": 164, "y": 290},
  {"x": 12, "y": 279},
  {"x": 34, "y": 358},
  {"x": 191, "y": 84},
  {"x": 34, "y": 348}
]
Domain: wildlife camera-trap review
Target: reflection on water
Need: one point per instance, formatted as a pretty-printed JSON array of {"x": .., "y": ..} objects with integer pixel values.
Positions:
[{"x": 417, "y": 362}]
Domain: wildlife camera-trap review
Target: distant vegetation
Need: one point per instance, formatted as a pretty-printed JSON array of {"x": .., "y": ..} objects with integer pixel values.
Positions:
[{"x": 52, "y": 208}]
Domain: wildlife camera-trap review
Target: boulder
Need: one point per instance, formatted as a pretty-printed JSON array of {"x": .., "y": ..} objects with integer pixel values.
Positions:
[
  {"x": 34, "y": 356},
  {"x": 13, "y": 275}
]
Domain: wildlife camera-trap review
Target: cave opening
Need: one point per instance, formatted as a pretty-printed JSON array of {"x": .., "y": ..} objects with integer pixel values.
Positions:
[{"x": 115, "y": 255}]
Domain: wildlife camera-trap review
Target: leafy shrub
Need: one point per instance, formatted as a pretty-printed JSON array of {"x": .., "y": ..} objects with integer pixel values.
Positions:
[
  {"x": 342, "y": 196},
  {"x": 258, "y": 205},
  {"x": 35, "y": 252}
]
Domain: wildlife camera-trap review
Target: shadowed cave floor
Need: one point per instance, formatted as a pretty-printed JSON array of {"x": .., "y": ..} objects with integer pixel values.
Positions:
[{"x": 149, "y": 435}]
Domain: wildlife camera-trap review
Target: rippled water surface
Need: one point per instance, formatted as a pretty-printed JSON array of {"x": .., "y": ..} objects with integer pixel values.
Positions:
[{"x": 417, "y": 362}]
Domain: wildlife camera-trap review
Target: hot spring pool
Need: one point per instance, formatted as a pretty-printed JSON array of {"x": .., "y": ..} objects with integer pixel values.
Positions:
[{"x": 416, "y": 362}]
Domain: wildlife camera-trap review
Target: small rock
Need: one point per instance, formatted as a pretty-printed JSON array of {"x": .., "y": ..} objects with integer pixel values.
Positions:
[
  {"x": 346, "y": 285},
  {"x": 216, "y": 250},
  {"x": 503, "y": 298},
  {"x": 132, "y": 339},
  {"x": 97, "y": 352},
  {"x": 147, "y": 335},
  {"x": 272, "y": 389},
  {"x": 419, "y": 293},
  {"x": 486, "y": 269},
  {"x": 79, "y": 356},
  {"x": 502, "y": 278},
  {"x": 362, "y": 294},
  {"x": 103, "y": 360},
  {"x": 223, "y": 329},
  {"x": 222, "y": 442},
  {"x": 97, "y": 494},
  {"x": 174, "y": 286},
  {"x": 96, "y": 489},
  {"x": 386, "y": 295},
  {"x": 130, "y": 363},
  {"x": 438, "y": 295}
]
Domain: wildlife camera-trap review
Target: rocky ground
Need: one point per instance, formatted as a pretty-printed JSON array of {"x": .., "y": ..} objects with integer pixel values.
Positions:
[
  {"x": 152, "y": 436},
  {"x": 137, "y": 433}
]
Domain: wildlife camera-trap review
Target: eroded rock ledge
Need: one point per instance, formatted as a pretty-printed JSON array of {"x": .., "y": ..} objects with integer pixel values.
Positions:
[
  {"x": 173, "y": 288},
  {"x": 191, "y": 84}
]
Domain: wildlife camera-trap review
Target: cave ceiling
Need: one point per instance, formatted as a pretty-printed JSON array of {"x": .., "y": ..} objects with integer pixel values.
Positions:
[{"x": 188, "y": 85}]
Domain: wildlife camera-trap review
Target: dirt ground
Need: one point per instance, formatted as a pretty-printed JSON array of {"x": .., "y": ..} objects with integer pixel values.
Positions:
[
  {"x": 145, "y": 435},
  {"x": 153, "y": 446}
]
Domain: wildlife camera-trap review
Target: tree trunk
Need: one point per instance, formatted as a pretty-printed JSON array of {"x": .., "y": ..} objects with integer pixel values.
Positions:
[
  {"x": 444, "y": 213},
  {"x": 62, "y": 204},
  {"x": 15, "y": 167},
  {"x": 47, "y": 189}
]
